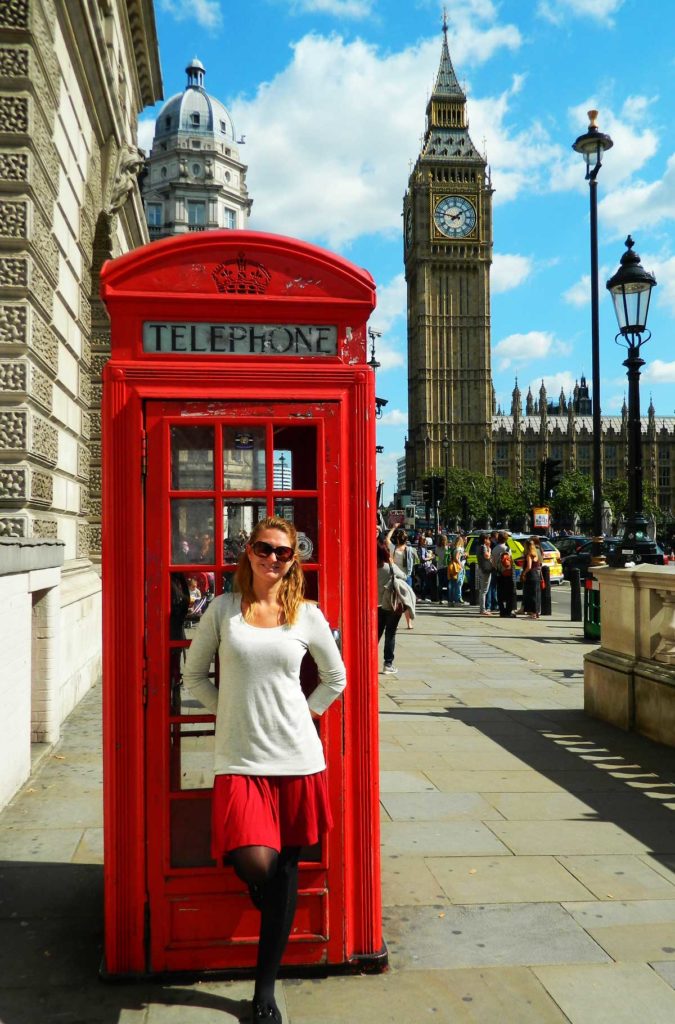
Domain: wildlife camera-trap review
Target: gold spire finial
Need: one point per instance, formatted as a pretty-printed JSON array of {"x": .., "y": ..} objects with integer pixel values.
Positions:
[{"x": 592, "y": 118}]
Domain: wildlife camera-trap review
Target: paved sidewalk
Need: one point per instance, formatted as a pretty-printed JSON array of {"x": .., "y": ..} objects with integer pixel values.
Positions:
[{"x": 528, "y": 856}]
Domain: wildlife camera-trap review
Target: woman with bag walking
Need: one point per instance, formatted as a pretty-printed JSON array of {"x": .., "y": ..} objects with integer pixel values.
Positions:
[
  {"x": 456, "y": 572},
  {"x": 387, "y": 619},
  {"x": 404, "y": 558},
  {"x": 269, "y": 797}
]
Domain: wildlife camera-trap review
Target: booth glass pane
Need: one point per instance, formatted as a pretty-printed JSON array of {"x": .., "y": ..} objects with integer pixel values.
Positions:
[
  {"x": 191, "y": 594},
  {"x": 311, "y": 585},
  {"x": 191, "y": 530},
  {"x": 239, "y": 517},
  {"x": 191, "y": 458},
  {"x": 303, "y": 513},
  {"x": 244, "y": 459},
  {"x": 295, "y": 458},
  {"x": 191, "y": 753},
  {"x": 191, "y": 833}
]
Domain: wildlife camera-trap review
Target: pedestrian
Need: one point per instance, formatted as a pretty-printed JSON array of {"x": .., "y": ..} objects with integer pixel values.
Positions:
[
  {"x": 456, "y": 571},
  {"x": 441, "y": 553},
  {"x": 404, "y": 558},
  {"x": 502, "y": 565},
  {"x": 483, "y": 572},
  {"x": 387, "y": 620},
  {"x": 531, "y": 577},
  {"x": 270, "y": 797},
  {"x": 492, "y": 599}
]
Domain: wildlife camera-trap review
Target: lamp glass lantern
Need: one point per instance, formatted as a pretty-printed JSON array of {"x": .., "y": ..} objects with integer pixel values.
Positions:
[
  {"x": 592, "y": 145},
  {"x": 631, "y": 289}
]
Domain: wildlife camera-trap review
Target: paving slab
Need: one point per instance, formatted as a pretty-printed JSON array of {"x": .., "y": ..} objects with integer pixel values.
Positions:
[
  {"x": 508, "y": 995},
  {"x": 619, "y": 877},
  {"x": 38, "y": 843},
  {"x": 435, "y": 806},
  {"x": 557, "y": 806},
  {"x": 666, "y": 970},
  {"x": 505, "y": 879},
  {"x": 573, "y": 837},
  {"x": 515, "y": 934},
  {"x": 407, "y": 881},
  {"x": 439, "y": 838},
  {"x": 609, "y": 994},
  {"x": 404, "y": 782},
  {"x": 630, "y": 929},
  {"x": 479, "y": 781}
]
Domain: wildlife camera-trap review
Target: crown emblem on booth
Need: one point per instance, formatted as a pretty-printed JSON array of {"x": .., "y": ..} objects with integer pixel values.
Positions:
[{"x": 241, "y": 277}]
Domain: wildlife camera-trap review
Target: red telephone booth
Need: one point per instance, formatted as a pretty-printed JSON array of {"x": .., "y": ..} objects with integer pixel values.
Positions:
[{"x": 237, "y": 387}]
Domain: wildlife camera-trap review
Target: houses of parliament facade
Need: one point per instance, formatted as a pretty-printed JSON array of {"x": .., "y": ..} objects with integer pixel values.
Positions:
[{"x": 447, "y": 217}]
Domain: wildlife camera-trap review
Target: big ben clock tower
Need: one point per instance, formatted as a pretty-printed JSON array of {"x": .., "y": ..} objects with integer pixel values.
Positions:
[{"x": 447, "y": 217}]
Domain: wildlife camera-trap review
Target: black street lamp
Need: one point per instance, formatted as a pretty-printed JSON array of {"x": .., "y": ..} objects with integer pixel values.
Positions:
[
  {"x": 592, "y": 145},
  {"x": 446, "y": 452},
  {"x": 494, "y": 493},
  {"x": 631, "y": 289}
]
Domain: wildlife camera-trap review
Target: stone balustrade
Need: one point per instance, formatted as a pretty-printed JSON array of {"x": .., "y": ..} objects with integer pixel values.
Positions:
[{"x": 630, "y": 679}]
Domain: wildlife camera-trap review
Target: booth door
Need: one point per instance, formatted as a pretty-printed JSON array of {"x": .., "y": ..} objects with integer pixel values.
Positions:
[{"x": 212, "y": 471}]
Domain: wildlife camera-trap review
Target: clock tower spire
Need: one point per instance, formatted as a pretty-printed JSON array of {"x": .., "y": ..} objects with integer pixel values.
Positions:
[{"x": 447, "y": 252}]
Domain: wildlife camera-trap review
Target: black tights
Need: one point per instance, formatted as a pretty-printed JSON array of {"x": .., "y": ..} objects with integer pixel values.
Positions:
[{"x": 272, "y": 879}]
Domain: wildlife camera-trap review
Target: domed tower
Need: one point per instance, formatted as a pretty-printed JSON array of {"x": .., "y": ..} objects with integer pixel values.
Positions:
[{"x": 195, "y": 179}]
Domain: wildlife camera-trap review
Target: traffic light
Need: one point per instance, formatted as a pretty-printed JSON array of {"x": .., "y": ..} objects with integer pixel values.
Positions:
[
  {"x": 428, "y": 490},
  {"x": 440, "y": 488},
  {"x": 554, "y": 472}
]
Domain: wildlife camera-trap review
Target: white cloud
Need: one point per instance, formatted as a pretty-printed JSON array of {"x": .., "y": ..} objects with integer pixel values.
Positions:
[
  {"x": 634, "y": 143},
  {"x": 663, "y": 269},
  {"x": 146, "y": 133},
  {"x": 391, "y": 304},
  {"x": 206, "y": 13},
  {"x": 394, "y": 418},
  {"x": 553, "y": 382},
  {"x": 601, "y": 10},
  {"x": 338, "y": 8},
  {"x": 659, "y": 372},
  {"x": 579, "y": 294},
  {"x": 642, "y": 204},
  {"x": 509, "y": 271},
  {"x": 388, "y": 356},
  {"x": 336, "y": 178},
  {"x": 524, "y": 348}
]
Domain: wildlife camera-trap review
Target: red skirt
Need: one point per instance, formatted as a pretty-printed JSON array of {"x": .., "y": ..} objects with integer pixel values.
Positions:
[{"x": 275, "y": 811}]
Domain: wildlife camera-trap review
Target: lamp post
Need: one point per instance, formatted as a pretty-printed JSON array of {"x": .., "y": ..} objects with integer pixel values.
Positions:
[
  {"x": 592, "y": 145},
  {"x": 494, "y": 493},
  {"x": 631, "y": 289},
  {"x": 446, "y": 452}
]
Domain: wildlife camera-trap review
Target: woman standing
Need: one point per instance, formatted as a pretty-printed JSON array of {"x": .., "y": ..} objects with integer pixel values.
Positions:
[
  {"x": 269, "y": 797},
  {"x": 456, "y": 571},
  {"x": 531, "y": 577},
  {"x": 404, "y": 558},
  {"x": 483, "y": 572},
  {"x": 387, "y": 621}
]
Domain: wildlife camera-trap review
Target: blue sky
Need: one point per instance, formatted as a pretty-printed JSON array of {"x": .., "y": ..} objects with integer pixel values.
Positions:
[{"x": 331, "y": 96}]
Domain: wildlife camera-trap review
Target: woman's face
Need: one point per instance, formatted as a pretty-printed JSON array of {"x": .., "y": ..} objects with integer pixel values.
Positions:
[{"x": 268, "y": 568}]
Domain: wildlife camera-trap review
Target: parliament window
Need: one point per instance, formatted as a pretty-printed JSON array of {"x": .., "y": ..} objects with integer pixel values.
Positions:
[{"x": 154, "y": 211}]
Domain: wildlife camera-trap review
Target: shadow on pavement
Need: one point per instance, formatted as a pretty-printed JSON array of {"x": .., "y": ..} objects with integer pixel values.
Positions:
[
  {"x": 624, "y": 778},
  {"x": 51, "y": 943}
]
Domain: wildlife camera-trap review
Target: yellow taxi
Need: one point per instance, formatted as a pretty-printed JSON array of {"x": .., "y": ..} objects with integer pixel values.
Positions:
[{"x": 548, "y": 554}]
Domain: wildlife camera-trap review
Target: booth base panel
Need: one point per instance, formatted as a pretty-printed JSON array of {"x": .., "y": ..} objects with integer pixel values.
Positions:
[{"x": 366, "y": 963}]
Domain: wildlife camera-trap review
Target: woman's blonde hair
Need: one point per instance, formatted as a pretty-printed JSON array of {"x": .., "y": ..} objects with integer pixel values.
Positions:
[{"x": 292, "y": 588}]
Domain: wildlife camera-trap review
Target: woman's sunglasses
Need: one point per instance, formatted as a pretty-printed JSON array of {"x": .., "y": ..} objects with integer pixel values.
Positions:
[{"x": 263, "y": 550}]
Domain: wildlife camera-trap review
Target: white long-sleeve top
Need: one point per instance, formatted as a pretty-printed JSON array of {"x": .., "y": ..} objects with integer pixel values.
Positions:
[{"x": 263, "y": 720}]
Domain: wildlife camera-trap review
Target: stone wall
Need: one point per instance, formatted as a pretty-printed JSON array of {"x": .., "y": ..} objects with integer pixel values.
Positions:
[
  {"x": 73, "y": 78},
  {"x": 630, "y": 680}
]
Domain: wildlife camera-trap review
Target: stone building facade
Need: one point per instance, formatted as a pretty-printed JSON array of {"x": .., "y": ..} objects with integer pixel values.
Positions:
[
  {"x": 195, "y": 180},
  {"x": 564, "y": 430},
  {"x": 73, "y": 78},
  {"x": 447, "y": 215}
]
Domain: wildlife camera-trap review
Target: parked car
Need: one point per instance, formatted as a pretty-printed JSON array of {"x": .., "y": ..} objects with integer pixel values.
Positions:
[
  {"x": 550, "y": 555},
  {"x": 569, "y": 544},
  {"x": 581, "y": 559}
]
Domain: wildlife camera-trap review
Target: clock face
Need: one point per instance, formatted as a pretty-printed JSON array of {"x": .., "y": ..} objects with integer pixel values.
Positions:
[
  {"x": 455, "y": 216},
  {"x": 408, "y": 228}
]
